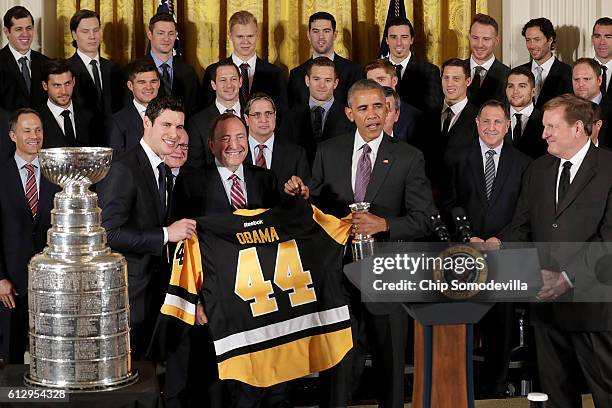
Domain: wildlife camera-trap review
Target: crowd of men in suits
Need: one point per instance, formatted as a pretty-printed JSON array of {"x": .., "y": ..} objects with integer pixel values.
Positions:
[{"x": 400, "y": 133}]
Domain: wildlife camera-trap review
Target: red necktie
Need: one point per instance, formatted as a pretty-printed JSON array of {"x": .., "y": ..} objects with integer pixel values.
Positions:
[
  {"x": 261, "y": 159},
  {"x": 236, "y": 194},
  {"x": 31, "y": 191}
]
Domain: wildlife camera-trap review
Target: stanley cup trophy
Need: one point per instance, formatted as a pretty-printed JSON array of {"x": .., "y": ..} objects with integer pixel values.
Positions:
[
  {"x": 363, "y": 244},
  {"x": 77, "y": 289}
]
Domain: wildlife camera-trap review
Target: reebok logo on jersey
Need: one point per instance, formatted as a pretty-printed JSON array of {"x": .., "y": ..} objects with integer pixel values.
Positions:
[{"x": 251, "y": 223}]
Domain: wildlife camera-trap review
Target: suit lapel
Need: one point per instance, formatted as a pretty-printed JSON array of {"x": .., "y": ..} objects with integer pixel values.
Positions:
[
  {"x": 278, "y": 151},
  {"x": 14, "y": 66},
  {"x": 585, "y": 173},
  {"x": 217, "y": 194},
  {"x": 15, "y": 180},
  {"x": 149, "y": 180},
  {"x": 384, "y": 161},
  {"x": 503, "y": 170},
  {"x": 477, "y": 170}
]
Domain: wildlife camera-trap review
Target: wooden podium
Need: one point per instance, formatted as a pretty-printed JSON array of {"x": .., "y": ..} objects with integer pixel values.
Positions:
[{"x": 443, "y": 341}]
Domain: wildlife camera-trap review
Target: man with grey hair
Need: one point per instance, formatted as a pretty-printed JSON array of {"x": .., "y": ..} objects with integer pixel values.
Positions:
[{"x": 390, "y": 175}]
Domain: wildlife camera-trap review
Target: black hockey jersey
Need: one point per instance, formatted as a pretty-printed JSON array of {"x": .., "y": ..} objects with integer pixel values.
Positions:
[{"x": 270, "y": 282}]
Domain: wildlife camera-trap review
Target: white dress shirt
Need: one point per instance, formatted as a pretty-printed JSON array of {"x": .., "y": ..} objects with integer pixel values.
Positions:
[
  {"x": 525, "y": 115},
  {"x": 225, "y": 175},
  {"x": 403, "y": 62},
  {"x": 222, "y": 109},
  {"x": 576, "y": 160},
  {"x": 253, "y": 147},
  {"x": 17, "y": 55},
  {"x": 56, "y": 111},
  {"x": 251, "y": 61},
  {"x": 545, "y": 68},
  {"x": 155, "y": 160},
  {"x": 139, "y": 107},
  {"x": 87, "y": 61},
  {"x": 484, "y": 149},
  {"x": 486, "y": 65},
  {"x": 457, "y": 108}
]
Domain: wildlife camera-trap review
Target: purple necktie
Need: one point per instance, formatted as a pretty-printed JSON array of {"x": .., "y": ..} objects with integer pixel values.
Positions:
[{"x": 362, "y": 178}]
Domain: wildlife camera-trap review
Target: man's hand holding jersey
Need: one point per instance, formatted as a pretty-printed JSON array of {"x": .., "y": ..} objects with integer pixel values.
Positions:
[{"x": 181, "y": 229}]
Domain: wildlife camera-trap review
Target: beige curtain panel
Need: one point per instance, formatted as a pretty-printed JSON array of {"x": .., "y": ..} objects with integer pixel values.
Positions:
[{"x": 442, "y": 27}]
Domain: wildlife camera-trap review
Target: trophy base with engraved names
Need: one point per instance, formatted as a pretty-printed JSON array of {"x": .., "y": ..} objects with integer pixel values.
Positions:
[{"x": 77, "y": 288}]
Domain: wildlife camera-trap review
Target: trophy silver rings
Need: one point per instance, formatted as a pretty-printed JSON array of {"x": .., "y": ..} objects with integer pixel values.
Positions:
[
  {"x": 362, "y": 245},
  {"x": 77, "y": 288}
]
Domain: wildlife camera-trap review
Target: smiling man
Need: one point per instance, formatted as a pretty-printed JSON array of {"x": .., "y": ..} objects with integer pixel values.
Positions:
[
  {"x": 177, "y": 77},
  {"x": 321, "y": 36},
  {"x": 257, "y": 74},
  {"x": 390, "y": 175},
  {"x": 488, "y": 74},
  {"x": 134, "y": 198},
  {"x": 552, "y": 77},
  {"x": 124, "y": 129},
  {"x": 98, "y": 80},
  {"x": 26, "y": 200},
  {"x": 20, "y": 66},
  {"x": 65, "y": 123}
]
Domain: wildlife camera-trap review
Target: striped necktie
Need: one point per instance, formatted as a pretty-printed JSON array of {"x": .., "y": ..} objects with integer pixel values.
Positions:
[
  {"x": 489, "y": 172},
  {"x": 31, "y": 191},
  {"x": 236, "y": 194}
]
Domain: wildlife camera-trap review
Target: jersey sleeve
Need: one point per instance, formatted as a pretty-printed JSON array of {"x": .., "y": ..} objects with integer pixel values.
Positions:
[
  {"x": 337, "y": 229},
  {"x": 185, "y": 281}
]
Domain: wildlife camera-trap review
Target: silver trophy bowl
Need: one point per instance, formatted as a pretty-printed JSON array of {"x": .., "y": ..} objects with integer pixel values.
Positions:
[{"x": 77, "y": 288}]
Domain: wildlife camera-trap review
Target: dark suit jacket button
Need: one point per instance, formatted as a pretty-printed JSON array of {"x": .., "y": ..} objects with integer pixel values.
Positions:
[{"x": 555, "y": 225}]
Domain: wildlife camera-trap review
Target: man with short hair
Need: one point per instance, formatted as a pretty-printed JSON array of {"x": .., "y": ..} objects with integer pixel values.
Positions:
[
  {"x": 525, "y": 132},
  {"x": 20, "y": 66},
  {"x": 389, "y": 174},
  {"x": 488, "y": 74},
  {"x": 65, "y": 123},
  {"x": 266, "y": 148},
  {"x": 587, "y": 80},
  {"x": 178, "y": 157},
  {"x": 321, "y": 117},
  {"x": 552, "y": 77},
  {"x": 26, "y": 200},
  {"x": 322, "y": 35},
  {"x": 567, "y": 198},
  {"x": 257, "y": 74},
  {"x": 418, "y": 80},
  {"x": 226, "y": 82},
  {"x": 408, "y": 125},
  {"x": 124, "y": 128},
  {"x": 135, "y": 197},
  {"x": 177, "y": 77},
  {"x": 98, "y": 86},
  {"x": 602, "y": 45},
  {"x": 485, "y": 182}
]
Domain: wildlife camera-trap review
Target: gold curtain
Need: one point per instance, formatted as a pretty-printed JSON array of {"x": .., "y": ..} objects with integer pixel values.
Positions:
[{"x": 442, "y": 27}]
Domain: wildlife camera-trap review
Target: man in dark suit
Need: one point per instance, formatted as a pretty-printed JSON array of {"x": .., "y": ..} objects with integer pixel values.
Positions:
[
  {"x": 177, "y": 78},
  {"x": 486, "y": 182},
  {"x": 257, "y": 75},
  {"x": 321, "y": 35},
  {"x": 26, "y": 200},
  {"x": 488, "y": 74},
  {"x": 134, "y": 197},
  {"x": 226, "y": 82},
  {"x": 6, "y": 147},
  {"x": 567, "y": 197},
  {"x": 269, "y": 150},
  {"x": 586, "y": 81},
  {"x": 526, "y": 128},
  {"x": 408, "y": 126},
  {"x": 389, "y": 174},
  {"x": 20, "y": 66},
  {"x": 552, "y": 77},
  {"x": 322, "y": 116},
  {"x": 99, "y": 82},
  {"x": 66, "y": 124},
  {"x": 228, "y": 184},
  {"x": 602, "y": 45},
  {"x": 419, "y": 80},
  {"x": 124, "y": 129}
]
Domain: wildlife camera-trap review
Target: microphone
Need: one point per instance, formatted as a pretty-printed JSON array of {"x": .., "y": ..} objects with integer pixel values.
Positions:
[
  {"x": 462, "y": 224},
  {"x": 439, "y": 228}
]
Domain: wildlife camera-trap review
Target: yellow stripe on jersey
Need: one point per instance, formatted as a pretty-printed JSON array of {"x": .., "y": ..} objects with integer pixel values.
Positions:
[
  {"x": 337, "y": 229},
  {"x": 291, "y": 360},
  {"x": 186, "y": 274},
  {"x": 250, "y": 213}
]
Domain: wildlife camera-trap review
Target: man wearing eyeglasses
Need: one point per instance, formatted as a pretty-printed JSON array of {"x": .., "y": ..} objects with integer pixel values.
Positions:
[
  {"x": 178, "y": 157},
  {"x": 265, "y": 148}
]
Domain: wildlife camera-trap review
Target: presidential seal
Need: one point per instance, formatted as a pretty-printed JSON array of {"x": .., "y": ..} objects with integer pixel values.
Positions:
[{"x": 461, "y": 270}]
